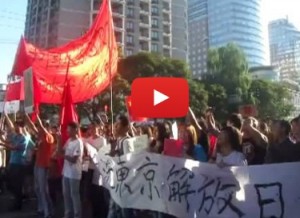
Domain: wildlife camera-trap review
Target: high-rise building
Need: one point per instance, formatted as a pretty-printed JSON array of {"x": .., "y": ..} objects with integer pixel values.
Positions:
[
  {"x": 140, "y": 25},
  {"x": 198, "y": 36},
  {"x": 284, "y": 39},
  {"x": 50, "y": 23},
  {"x": 179, "y": 29},
  {"x": 214, "y": 23}
]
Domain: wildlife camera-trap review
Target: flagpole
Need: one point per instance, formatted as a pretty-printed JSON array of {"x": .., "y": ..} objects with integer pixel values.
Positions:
[
  {"x": 68, "y": 68},
  {"x": 110, "y": 65}
]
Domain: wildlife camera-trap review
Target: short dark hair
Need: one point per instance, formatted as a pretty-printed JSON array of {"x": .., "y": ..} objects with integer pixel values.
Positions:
[
  {"x": 20, "y": 123},
  {"x": 123, "y": 120},
  {"x": 236, "y": 120},
  {"x": 73, "y": 125},
  {"x": 295, "y": 120},
  {"x": 285, "y": 125},
  {"x": 234, "y": 136}
]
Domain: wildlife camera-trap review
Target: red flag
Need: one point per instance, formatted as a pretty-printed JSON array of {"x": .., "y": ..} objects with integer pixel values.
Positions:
[
  {"x": 68, "y": 113},
  {"x": 129, "y": 110},
  {"x": 92, "y": 61},
  {"x": 22, "y": 59},
  {"x": 15, "y": 91}
]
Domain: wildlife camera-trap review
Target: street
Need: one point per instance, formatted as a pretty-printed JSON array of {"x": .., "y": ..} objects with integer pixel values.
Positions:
[{"x": 27, "y": 212}]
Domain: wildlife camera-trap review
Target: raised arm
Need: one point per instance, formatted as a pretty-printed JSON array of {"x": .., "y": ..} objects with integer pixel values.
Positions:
[
  {"x": 194, "y": 121},
  {"x": 212, "y": 125},
  {"x": 31, "y": 124},
  {"x": 259, "y": 138},
  {"x": 9, "y": 123},
  {"x": 40, "y": 124},
  {"x": 3, "y": 140},
  {"x": 132, "y": 130}
]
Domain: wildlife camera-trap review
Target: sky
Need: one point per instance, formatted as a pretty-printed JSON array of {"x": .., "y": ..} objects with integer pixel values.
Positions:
[{"x": 12, "y": 20}]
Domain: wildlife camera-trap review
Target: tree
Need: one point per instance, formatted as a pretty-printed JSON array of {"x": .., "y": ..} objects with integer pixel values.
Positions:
[
  {"x": 217, "y": 98},
  {"x": 271, "y": 99},
  {"x": 198, "y": 97},
  {"x": 227, "y": 66},
  {"x": 151, "y": 65},
  {"x": 228, "y": 69},
  {"x": 120, "y": 88}
]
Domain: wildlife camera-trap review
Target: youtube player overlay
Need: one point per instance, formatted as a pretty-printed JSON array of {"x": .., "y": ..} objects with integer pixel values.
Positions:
[{"x": 160, "y": 97}]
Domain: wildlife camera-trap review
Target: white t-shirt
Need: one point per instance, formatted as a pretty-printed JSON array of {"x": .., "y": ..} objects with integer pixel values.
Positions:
[
  {"x": 233, "y": 159},
  {"x": 124, "y": 146},
  {"x": 96, "y": 143},
  {"x": 73, "y": 170}
]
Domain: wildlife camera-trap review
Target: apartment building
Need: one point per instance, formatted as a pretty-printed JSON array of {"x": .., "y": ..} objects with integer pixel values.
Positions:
[
  {"x": 140, "y": 25},
  {"x": 50, "y": 23}
]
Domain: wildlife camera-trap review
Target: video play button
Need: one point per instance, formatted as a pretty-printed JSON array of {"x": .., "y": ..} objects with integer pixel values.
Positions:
[{"x": 159, "y": 97}]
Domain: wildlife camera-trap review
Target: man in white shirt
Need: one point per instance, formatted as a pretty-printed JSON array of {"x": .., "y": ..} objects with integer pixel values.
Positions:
[
  {"x": 96, "y": 193},
  {"x": 121, "y": 128},
  {"x": 72, "y": 172},
  {"x": 122, "y": 147}
]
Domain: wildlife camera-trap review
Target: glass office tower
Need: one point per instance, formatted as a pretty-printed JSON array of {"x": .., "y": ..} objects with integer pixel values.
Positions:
[
  {"x": 239, "y": 22},
  {"x": 215, "y": 23}
]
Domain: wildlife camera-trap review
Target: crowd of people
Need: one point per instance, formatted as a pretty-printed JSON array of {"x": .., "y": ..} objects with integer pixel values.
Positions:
[{"x": 63, "y": 169}]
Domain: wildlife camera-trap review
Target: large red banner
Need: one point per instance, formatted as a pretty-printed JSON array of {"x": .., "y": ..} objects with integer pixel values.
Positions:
[{"x": 87, "y": 63}]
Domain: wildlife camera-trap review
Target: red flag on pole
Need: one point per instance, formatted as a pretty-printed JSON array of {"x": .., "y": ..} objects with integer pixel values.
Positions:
[
  {"x": 23, "y": 60},
  {"x": 15, "y": 91},
  {"x": 68, "y": 112},
  {"x": 129, "y": 110},
  {"x": 94, "y": 61},
  {"x": 13, "y": 96}
]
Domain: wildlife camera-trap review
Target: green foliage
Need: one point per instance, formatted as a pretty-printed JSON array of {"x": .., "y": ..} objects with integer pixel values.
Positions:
[
  {"x": 198, "y": 97},
  {"x": 217, "y": 99},
  {"x": 151, "y": 64},
  {"x": 229, "y": 85},
  {"x": 47, "y": 110},
  {"x": 120, "y": 88},
  {"x": 271, "y": 99},
  {"x": 154, "y": 65},
  {"x": 227, "y": 66}
]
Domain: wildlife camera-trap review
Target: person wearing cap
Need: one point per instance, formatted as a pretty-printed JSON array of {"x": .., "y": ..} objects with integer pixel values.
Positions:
[{"x": 16, "y": 143}]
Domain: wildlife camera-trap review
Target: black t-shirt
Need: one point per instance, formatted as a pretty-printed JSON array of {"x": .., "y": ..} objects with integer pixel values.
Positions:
[
  {"x": 254, "y": 153},
  {"x": 284, "y": 152}
]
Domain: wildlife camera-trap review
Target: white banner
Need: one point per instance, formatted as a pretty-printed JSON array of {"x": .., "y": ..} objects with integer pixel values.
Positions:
[
  {"x": 10, "y": 107},
  {"x": 139, "y": 143},
  {"x": 186, "y": 188}
]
